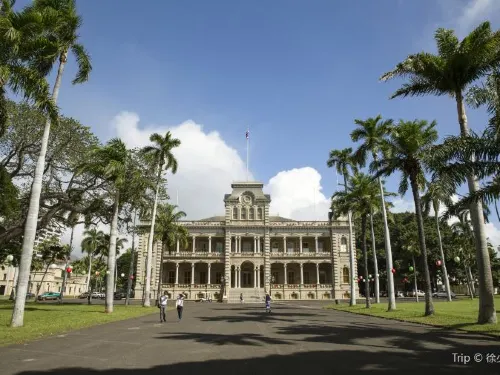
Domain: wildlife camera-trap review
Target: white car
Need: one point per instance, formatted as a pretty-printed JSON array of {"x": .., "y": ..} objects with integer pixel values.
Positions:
[{"x": 419, "y": 293}]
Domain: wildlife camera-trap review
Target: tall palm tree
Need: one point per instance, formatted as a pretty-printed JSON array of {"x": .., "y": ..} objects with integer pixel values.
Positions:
[
  {"x": 343, "y": 162},
  {"x": 63, "y": 22},
  {"x": 456, "y": 66},
  {"x": 407, "y": 150},
  {"x": 168, "y": 231},
  {"x": 20, "y": 37},
  {"x": 372, "y": 133},
  {"x": 111, "y": 162},
  {"x": 162, "y": 159},
  {"x": 92, "y": 241},
  {"x": 437, "y": 193},
  {"x": 50, "y": 250},
  {"x": 358, "y": 198}
]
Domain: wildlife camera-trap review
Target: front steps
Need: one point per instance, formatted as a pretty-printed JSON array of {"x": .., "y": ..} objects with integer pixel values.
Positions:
[{"x": 250, "y": 295}]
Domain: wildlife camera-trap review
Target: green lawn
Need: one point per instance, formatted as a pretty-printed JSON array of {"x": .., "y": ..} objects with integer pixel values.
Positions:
[
  {"x": 459, "y": 314},
  {"x": 49, "y": 319}
]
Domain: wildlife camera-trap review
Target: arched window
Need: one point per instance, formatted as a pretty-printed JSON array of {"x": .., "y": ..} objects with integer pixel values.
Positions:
[
  {"x": 243, "y": 213},
  {"x": 235, "y": 213},
  {"x": 343, "y": 244},
  {"x": 251, "y": 213},
  {"x": 259, "y": 213},
  {"x": 345, "y": 275}
]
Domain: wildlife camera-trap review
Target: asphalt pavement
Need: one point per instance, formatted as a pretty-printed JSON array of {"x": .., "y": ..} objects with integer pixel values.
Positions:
[{"x": 295, "y": 338}]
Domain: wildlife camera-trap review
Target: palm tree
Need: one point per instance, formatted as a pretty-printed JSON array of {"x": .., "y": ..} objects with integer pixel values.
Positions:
[
  {"x": 111, "y": 163},
  {"x": 63, "y": 23},
  {"x": 437, "y": 193},
  {"x": 343, "y": 162},
  {"x": 373, "y": 132},
  {"x": 168, "y": 231},
  {"x": 161, "y": 158},
  {"x": 20, "y": 37},
  {"x": 407, "y": 150},
  {"x": 91, "y": 243},
  {"x": 359, "y": 199},
  {"x": 456, "y": 66},
  {"x": 51, "y": 250}
]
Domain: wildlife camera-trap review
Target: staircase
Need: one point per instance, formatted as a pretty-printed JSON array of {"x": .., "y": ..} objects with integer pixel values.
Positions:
[{"x": 250, "y": 295}]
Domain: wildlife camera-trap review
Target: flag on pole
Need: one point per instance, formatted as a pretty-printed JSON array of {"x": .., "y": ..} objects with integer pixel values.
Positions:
[{"x": 247, "y": 133}]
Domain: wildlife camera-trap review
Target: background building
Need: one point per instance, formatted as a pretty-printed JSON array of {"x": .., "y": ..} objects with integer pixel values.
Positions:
[{"x": 247, "y": 251}]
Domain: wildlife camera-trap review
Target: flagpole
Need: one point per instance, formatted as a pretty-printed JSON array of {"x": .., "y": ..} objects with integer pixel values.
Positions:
[{"x": 247, "y": 136}]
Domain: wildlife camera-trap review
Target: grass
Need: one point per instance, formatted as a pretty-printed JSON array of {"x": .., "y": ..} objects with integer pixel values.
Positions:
[
  {"x": 459, "y": 314},
  {"x": 42, "y": 320}
]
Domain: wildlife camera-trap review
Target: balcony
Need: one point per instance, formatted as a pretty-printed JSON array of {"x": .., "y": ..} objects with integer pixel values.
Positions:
[
  {"x": 280, "y": 254},
  {"x": 190, "y": 254}
]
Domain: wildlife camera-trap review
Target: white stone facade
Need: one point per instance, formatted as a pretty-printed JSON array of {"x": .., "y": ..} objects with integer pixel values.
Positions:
[{"x": 248, "y": 252}]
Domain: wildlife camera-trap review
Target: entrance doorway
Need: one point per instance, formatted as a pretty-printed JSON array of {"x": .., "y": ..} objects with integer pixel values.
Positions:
[{"x": 246, "y": 281}]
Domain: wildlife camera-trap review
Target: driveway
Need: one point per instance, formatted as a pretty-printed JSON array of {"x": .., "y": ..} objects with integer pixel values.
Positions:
[{"x": 298, "y": 338}]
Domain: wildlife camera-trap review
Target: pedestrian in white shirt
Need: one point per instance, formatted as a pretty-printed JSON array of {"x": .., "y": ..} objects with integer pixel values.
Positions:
[
  {"x": 180, "y": 305},
  {"x": 163, "y": 307}
]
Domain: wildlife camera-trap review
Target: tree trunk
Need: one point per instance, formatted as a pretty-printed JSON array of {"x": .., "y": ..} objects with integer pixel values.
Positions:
[
  {"x": 468, "y": 281},
  {"x": 112, "y": 256},
  {"x": 429, "y": 307},
  {"x": 33, "y": 210},
  {"x": 131, "y": 268},
  {"x": 496, "y": 209},
  {"x": 147, "y": 289},
  {"x": 375, "y": 262},
  {"x": 388, "y": 251},
  {"x": 365, "y": 256},
  {"x": 41, "y": 281},
  {"x": 90, "y": 270},
  {"x": 415, "y": 277},
  {"x": 472, "y": 284},
  {"x": 445, "y": 272},
  {"x": 352, "y": 301},
  {"x": 65, "y": 277},
  {"x": 160, "y": 274},
  {"x": 487, "y": 313}
]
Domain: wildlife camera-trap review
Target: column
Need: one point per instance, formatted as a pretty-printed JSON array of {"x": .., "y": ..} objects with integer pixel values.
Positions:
[
  {"x": 239, "y": 244},
  {"x": 176, "y": 273},
  {"x": 209, "y": 244},
  {"x": 284, "y": 270},
  {"x": 177, "y": 250},
  {"x": 255, "y": 278},
  {"x": 258, "y": 244},
  {"x": 209, "y": 266},
  {"x": 317, "y": 273},
  {"x": 300, "y": 244},
  {"x": 284, "y": 244},
  {"x": 258, "y": 277},
  {"x": 301, "y": 274},
  {"x": 239, "y": 277},
  {"x": 192, "y": 273},
  {"x": 316, "y": 243},
  {"x": 194, "y": 241}
]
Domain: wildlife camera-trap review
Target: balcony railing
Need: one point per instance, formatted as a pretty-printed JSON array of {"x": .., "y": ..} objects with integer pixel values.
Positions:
[
  {"x": 298, "y": 254},
  {"x": 304, "y": 286},
  {"x": 193, "y": 286},
  {"x": 190, "y": 254}
]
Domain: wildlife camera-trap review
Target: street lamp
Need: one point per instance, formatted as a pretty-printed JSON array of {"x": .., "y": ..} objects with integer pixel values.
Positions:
[
  {"x": 9, "y": 258},
  {"x": 122, "y": 274}
]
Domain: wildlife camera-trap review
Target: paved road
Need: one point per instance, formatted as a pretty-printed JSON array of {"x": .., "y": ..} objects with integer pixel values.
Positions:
[{"x": 222, "y": 339}]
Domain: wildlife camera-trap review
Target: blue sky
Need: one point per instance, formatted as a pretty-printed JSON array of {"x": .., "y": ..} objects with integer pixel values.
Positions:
[{"x": 296, "y": 72}]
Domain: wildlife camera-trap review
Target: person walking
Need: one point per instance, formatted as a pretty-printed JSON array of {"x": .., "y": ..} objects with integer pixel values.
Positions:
[
  {"x": 241, "y": 298},
  {"x": 163, "y": 307},
  {"x": 268, "y": 303},
  {"x": 180, "y": 305}
]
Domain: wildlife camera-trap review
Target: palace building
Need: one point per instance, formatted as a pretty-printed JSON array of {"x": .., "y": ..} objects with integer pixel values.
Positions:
[{"x": 247, "y": 251}]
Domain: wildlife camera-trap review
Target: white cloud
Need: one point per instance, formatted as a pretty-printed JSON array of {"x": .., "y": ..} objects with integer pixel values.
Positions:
[
  {"x": 296, "y": 194},
  {"x": 475, "y": 12}
]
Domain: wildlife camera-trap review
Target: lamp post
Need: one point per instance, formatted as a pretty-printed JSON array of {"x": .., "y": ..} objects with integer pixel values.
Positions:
[{"x": 10, "y": 260}]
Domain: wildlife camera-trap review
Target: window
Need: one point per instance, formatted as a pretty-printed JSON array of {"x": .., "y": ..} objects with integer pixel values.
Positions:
[
  {"x": 276, "y": 277},
  {"x": 306, "y": 278},
  {"x": 343, "y": 244},
  {"x": 247, "y": 247},
  {"x": 218, "y": 277},
  {"x": 305, "y": 247},
  {"x": 203, "y": 278},
  {"x": 251, "y": 213},
  {"x": 243, "y": 214},
  {"x": 322, "y": 277},
  {"x": 274, "y": 247},
  {"x": 235, "y": 213},
  {"x": 320, "y": 246},
  {"x": 259, "y": 213},
  {"x": 290, "y": 247},
  {"x": 187, "y": 277},
  {"x": 204, "y": 246},
  {"x": 218, "y": 247},
  {"x": 171, "y": 277},
  {"x": 291, "y": 277},
  {"x": 69, "y": 290},
  {"x": 345, "y": 275}
]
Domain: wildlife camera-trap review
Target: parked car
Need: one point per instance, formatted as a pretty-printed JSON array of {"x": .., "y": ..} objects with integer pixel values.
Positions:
[
  {"x": 84, "y": 295},
  {"x": 443, "y": 294},
  {"x": 419, "y": 293},
  {"x": 399, "y": 294},
  {"x": 30, "y": 295},
  {"x": 120, "y": 295},
  {"x": 49, "y": 295}
]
